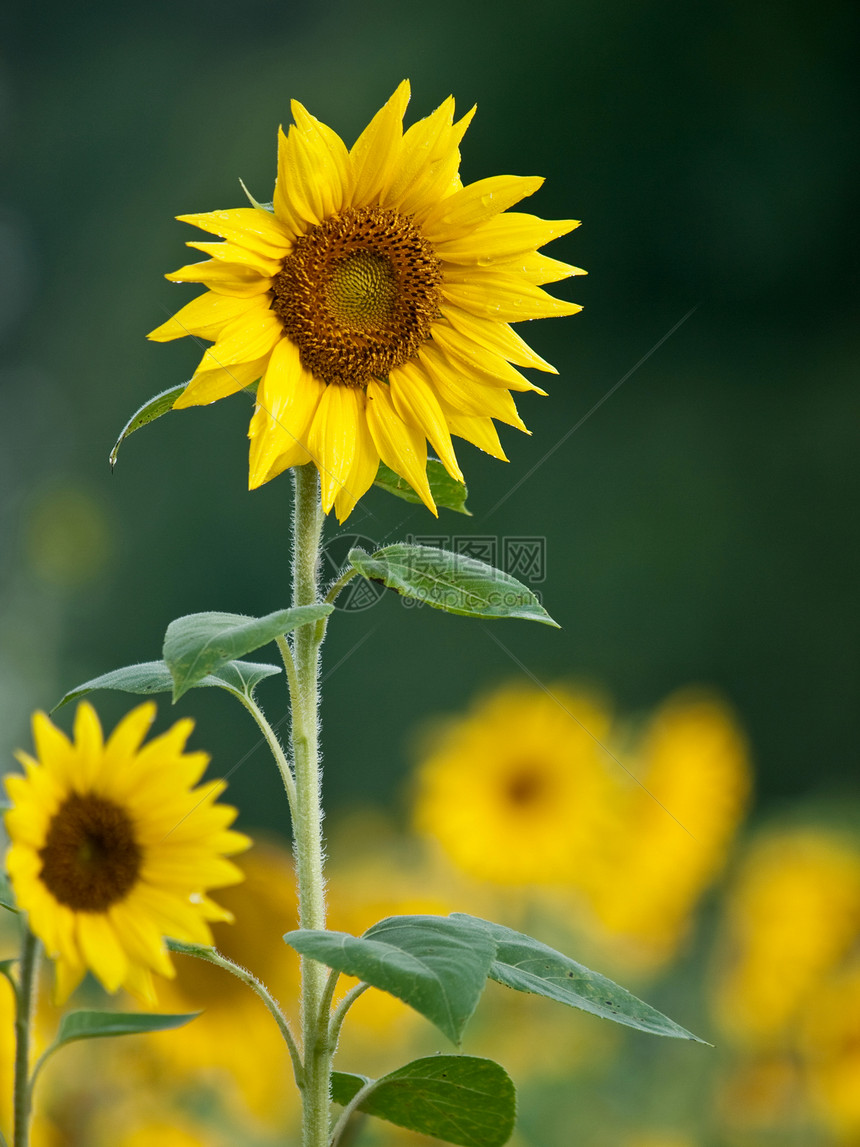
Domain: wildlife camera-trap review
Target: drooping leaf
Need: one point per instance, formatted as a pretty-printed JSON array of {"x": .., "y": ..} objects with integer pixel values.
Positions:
[
  {"x": 459, "y": 1098},
  {"x": 95, "y": 1025},
  {"x": 453, "y": 582},
  {"x": 150, "y": 677},
  {"x": 7, "y": 896},
  {"x": 447, "y": 492},
  {"x": 200, "y": 643},
  {"x": 528, "y": 965},
  {"x": 434, "y": 964},
  {"x": 153, "y": 408}
]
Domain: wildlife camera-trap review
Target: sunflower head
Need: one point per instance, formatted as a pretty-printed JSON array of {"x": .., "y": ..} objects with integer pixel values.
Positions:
[
  {"x": 113, "y": 848},
  {"x": 372, "y": 302}
]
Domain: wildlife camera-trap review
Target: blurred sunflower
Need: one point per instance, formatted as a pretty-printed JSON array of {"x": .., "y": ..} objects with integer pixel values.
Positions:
[
  {"x": 517, "y": 792},
  {"x": 234, "y": 1046},
  {"x": 671, "y": 834},
  {"x": 792, "y": 917},
  {"x": 373, "y": 302},
  {"x": 113, "y": 848}
]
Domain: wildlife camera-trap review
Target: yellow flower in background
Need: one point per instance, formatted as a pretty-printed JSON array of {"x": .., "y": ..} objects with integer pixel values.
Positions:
[
  {"x": 234, "y": 1046},
  {"x": 113, "y": 848},
  {"x": 830, "y": 1046},
  {"x": 792, "y": 917},
  {"x": 373, "y": 303},
  {"x": 517, "y": 792},
  {"x": 673, "y": 831}
]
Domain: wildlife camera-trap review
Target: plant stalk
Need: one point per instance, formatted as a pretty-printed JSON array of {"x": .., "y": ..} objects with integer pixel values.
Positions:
[
  {"x": 308, "y": 521},
  {"x": 25, "y": 1001}
]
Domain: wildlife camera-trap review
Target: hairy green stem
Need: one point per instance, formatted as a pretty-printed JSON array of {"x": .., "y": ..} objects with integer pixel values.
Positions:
[
  {"x": 25, "y": 1006},
  {"x": 307, "y": 817}
]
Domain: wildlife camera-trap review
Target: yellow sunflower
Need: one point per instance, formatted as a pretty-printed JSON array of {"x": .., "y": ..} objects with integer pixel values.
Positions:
[
  {"x": 518, "y": 791},
  {"x": 372, "y": 302},
  {"x": 113, "y": 848}
]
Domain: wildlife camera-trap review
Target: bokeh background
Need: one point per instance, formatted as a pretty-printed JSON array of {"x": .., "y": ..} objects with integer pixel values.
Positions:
[{"x": 700, "y": 524}]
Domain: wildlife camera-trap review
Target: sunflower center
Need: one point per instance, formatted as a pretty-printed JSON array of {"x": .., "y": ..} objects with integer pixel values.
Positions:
[
  {"x": 358, "y": 294},
  {"x": 91, "y": 858},
  {"x": 525, "y": 787}
]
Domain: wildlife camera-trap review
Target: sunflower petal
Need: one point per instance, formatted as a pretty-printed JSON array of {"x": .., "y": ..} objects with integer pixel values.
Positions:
[
  {"x": 226, "y": 278},
  {"x": 287, "y": 399},
  {"x": 505, "y": 299},
  {"x": 209, "y": 385},
  {"x": 416, "y": 404},
  {"x": 499, "y": 240},
  {"x": 364, "y": 467},
  {"x": 250, "y": 337},
  {"x": 402, "y": 447},
  {"x": 461, "y": 212},
  {"x": 205, "y": 317},
  {"x": 496, "y": 337},
  {"x": 375, "y": 152},
  {"x": 250, "y": 227},
  {"x": 333, "y": 439}
]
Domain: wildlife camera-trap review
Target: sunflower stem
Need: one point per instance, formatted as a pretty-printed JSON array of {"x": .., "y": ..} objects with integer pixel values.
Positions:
[
  {"x": 25, "y": 1007},
  {"x": 308, "y": 521}
]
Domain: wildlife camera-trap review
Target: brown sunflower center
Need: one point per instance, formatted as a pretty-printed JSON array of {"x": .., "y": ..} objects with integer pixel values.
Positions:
[
  {"x": 526, "y": 786},
  {"x": 91, "y": 858},
  {"x": 358, "y": 294}
]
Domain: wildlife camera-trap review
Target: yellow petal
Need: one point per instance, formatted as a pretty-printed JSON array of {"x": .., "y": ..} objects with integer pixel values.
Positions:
[
  {"x": 465, "y": 209},
  {"x": 374, "y": 155},
  {"x": 416, "y": 404},
  {"x": 225, "y": 278},
  {"x": 129, "y": 734},
  {"x": 364, "y": 467},
  {"x": 458, "y": 390},
  {"x": 540, "y": 269},
  {"x": 89, "y": 746},
  {"x": 287, "y": 399},
  {"x": 480, "y": 432},
  {"x": 333, "y": 439},
  {"x": 141, "y": 936},
  {"x": 67, "y": 977},
  {"x": 401, "y": 447},
  {"x": 496, "y": 295},
  {"x": 494, "y": 336},
  {"x": 250, "y": 227},
  {"x": 501, "y": 239},
  {"x": 233, "y": 253},
  {"x": 486, "y": 366},
  {"x": 439, "y": 177},
  {"x": 101, "y": 950},
  {"x": 204, "y": 316},
  {"x": 209, "y": 385},
  {"x": 51, "y": 743},
  {"x": 250, "y": 337},
  {"x": 330, "y": 155}
]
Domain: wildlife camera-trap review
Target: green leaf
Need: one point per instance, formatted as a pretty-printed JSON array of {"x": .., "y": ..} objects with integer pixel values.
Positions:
[
  {"x": 447, "y": 491},
  {"x": 153, "y": 408},
  {"x": 527, "y": 965},
  {"x": 94, "y": 1025},
  {"x": 199, "y": 644},
  {"x": 7, "y": 896},
  {"x": 6, "y": 967},
  {"x": 154, "y": 677},
  {"x": 449, "y": 581},
  {"x": 434, "y": 964},
  {"x": 459, "y": 1098}
]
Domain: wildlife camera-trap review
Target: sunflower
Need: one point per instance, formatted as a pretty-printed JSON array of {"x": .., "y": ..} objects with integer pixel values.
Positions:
[
  {"x": 518, "y": 792},
  {"x": 372, "y": 302},
  {"x": 113, "y": 848}
]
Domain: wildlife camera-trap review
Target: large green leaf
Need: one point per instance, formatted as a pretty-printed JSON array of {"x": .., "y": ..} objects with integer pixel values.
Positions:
[
  {"x": 436, "y": 965},
  {"x": 153, "y": 408},
  {"x": 200, "y": 643},
  {"x": 94, "y": 1025},
  {"x": 447, "y": 492},
  {"x": 449, "y": 581},
  {"x": 150, "y": 677},
  {"x": 459, "y": 1098},
  {"x": 530, "y": 966}
]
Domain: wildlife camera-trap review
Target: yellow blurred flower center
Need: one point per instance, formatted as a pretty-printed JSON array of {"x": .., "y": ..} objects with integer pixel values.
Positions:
[
  {"x": 358, "y": 294},
  {"x": 91, "y": 858}
]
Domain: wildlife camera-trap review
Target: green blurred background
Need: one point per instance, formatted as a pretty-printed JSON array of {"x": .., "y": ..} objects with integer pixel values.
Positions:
[{"x": 701, "y": 525}]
